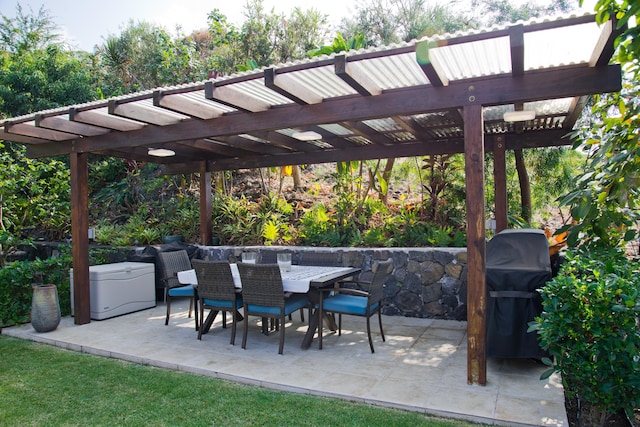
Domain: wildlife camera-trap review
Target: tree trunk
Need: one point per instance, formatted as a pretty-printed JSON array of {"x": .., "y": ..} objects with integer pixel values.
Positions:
[
  {"x": 525, "y": 186},
  {"x": 297, "y": 182},
  {"x": 386, "y": 175}
]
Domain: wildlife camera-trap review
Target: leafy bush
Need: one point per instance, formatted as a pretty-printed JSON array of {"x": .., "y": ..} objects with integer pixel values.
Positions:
[
  {"x": 35, "y": 194},
  {"x": 17, "y": 278},
  {"x": 590, "y": 325}
]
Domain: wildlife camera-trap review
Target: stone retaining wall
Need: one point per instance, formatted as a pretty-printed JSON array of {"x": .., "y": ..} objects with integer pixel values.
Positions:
[{"x": 425, "y": 282}]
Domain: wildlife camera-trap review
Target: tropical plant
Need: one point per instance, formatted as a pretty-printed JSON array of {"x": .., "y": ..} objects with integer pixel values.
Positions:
[
  {"x": 35, "y": 194},
  {"x": 604, "y": 203}
]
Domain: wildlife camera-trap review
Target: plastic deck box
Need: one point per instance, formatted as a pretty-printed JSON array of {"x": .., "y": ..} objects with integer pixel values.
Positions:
[{"x": 119, "y": 288}]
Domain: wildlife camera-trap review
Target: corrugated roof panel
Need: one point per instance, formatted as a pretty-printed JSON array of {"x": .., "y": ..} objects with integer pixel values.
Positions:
[
  {"x": 393, "y": 72},
  {"x": 323, "y": 81},
  {"x": 336, "y": 129},
  {"x": 542, "y": 108},
  {"x": 475, "y": 59},
  {"x": 560, "y": 46},
  {"x": 383, "y": 125},
  {"x": 148, "y": 103},
  {"x": 320, "y": 144},
  {"x": 438, "y": 118},
  {"x": 550, "y": 106},
  {"x": 256, "y": 88},
  {"x": 359, "y": 140},
  {"x": 198, "y": 96},
  {"x": 400, "y": 136}
]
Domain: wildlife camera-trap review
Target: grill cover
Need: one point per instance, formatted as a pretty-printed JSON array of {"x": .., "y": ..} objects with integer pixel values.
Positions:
[{"x": 518, "y": 264}]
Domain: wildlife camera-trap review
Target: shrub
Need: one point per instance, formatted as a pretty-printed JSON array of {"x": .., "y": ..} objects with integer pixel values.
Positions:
[
  {"x": 16, "y": 280},
  {"x": 590, "y": 326}
]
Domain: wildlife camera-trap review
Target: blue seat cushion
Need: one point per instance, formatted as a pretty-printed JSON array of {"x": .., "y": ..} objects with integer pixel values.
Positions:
[
  {"x": 348, "y": 304},
  {"x": 294, "y": 303},
  {"x": 228, "y": 304},
  {"x": 182, "y": 291}
]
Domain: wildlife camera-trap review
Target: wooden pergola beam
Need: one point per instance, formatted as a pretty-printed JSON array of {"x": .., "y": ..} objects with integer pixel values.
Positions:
[{"x": 498, "y": 90}]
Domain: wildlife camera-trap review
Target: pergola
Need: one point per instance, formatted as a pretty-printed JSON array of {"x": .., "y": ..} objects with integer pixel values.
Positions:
[{"x": 448, "y": 94}]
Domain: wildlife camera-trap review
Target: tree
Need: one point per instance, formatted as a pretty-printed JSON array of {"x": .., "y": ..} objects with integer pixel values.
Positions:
[
  {"x": 145, "y": 56},
  {"x": 36, "y": 74},
  {"x": 302, "y": 31},
  {"x": 27, "y": 31},
  {"x": 492, "y": 12},
  {"x": 390, "y": 21},
  {"x": 41, "y": 79},
  {"x": 605, "y": 201},
  {"x": 225, "y": 52}
]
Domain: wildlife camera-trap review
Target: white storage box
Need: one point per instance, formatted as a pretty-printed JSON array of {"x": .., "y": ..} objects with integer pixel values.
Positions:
[{"x": 119, "y": 288}]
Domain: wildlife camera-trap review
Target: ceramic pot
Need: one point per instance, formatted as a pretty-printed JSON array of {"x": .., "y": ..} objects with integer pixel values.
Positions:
[{"x": 45, "y": 308}]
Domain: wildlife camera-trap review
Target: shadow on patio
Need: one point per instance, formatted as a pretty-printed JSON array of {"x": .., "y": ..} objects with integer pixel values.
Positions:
[{"x": 421, "y": 367}]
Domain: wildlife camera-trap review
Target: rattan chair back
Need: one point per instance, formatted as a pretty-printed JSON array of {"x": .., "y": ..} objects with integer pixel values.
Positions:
[
  {"x": 382, "y": 269},
  {"x": 261, "y": 285},
  {"x": 170, "y": 263},
  {"x": 325, "y": 259},
  {"x": 215, "y": 280}
]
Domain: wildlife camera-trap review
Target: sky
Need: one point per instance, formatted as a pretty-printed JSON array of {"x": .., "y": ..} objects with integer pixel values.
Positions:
[{"x": 86, "y": 23}]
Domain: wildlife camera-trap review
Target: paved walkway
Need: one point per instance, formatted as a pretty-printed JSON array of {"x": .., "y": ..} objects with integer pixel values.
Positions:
[{"x": 421, "y": 367}]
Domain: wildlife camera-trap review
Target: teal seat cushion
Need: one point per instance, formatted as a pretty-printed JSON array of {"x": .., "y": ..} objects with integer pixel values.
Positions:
[
  {"x": 349, "y": 304},
  {"x": 223, "y": 303},
  {"x": 294, "y": 303},
  {"x": 182, "y": 291}
]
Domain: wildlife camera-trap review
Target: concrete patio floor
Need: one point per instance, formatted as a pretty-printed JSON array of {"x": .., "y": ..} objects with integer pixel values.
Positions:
[{"x": 421, "y": 367}]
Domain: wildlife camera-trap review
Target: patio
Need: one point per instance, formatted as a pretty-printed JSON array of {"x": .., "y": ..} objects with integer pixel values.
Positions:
[
  {"x": 489, "y": 90},
  {"x": 421, "y": 367}
]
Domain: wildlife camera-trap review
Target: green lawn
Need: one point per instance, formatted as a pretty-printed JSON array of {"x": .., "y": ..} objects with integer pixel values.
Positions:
[{"x": 43, "y": 385}]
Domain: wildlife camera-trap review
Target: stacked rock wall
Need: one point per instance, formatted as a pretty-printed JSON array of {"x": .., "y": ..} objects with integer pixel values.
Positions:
[{"x": 425, "y": 282}]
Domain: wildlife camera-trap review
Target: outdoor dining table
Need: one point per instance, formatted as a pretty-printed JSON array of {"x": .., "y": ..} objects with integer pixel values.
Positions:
[{"x": 299, "y": 279}]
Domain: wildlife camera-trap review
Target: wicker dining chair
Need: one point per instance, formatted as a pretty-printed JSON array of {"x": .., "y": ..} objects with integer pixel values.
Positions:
[
  {"x": 267, "y": 257},
  {"x": 170, "y": 263},
  {"x": 271, "y": 257},
  {"x": 263, "y": 295},
  {"x": 325, "y": 259},
  {"x": 356, "y": 302},
  {"x": 216, "y": 291}
]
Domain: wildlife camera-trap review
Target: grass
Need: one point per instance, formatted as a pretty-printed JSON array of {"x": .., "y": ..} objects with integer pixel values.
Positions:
[{"x": 44, "y": 385}]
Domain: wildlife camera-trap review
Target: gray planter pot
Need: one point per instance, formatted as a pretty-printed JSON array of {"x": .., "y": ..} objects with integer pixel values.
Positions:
[{"x": 45, "y": 308}]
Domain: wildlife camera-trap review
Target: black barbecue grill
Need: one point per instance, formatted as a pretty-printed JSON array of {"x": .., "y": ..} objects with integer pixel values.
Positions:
[{"x": 518, "y": 264}]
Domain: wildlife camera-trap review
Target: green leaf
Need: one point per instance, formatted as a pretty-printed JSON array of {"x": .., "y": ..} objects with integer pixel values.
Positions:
[{"x": 546, "y": 374}]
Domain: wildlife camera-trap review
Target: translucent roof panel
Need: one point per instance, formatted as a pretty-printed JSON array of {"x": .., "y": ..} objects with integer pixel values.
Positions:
[
  {"x": 323, "y": 82},
  {"x": 560, "y": 46},
  {"x": 475, "y": 59},
  {"x": 258, "y": 90},
  {"x": 393, "y": 72},
  {"x": 542, "y": 108},
  {"x": 336, "y": 129},
  {"x": 198, "y": 97},
  {"x": 383, "y": 125}
]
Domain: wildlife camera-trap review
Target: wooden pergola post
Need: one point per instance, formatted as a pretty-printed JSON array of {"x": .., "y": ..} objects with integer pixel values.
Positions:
[
  {"x": 476, "y": 275},
  {"x": 500, "y": 182},
  {"x": 80, "y": 237},
  {"x": 205, "y": 204}
]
